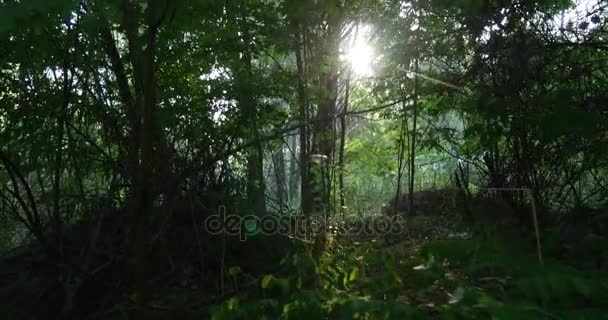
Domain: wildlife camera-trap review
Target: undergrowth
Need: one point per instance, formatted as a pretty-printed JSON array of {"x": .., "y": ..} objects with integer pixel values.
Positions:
[{"x": 443, "y": 279}]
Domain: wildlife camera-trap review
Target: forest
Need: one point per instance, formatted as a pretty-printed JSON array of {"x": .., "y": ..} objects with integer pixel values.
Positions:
[{"x": 303, "y": 159}]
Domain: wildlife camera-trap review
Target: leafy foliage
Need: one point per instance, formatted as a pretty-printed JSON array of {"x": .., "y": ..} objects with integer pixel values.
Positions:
[{"x": 125, "y": 125}]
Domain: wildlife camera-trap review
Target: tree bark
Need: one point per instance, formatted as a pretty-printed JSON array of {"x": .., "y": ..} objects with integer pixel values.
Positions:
[
  {"x": 305, "y": 191},
  {"x": 413, "y": 145},
  {"x": 142, "y": 141},
  {"x": 401, "y": 158},
  {"x": 293, "y": 169},
  {"x": 341, "y": 160},
  {"x": 415, "y": 116},
  {"x": 255, "y": 155},
  {"x": 324, "y": 138},
  {"x": 278, "y": 161}
]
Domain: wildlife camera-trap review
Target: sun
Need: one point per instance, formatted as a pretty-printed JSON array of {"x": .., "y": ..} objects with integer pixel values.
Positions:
[
  {"x": 360, "y": 57},
  {"x": 359, "y": 53}
]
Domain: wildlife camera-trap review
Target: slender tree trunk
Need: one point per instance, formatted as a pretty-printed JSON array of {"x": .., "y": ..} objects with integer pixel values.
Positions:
[
  {"x": 305, "y": 199},
  {"x": 143, "y": 138},
  {"x": 278, "y": 161},
  {"x": 413, "y": 149},
  {"x": 293, "y": 169},
  {"x": 57, "y": 218},
  {"x": 401, "y": 157},
  {"x": 324, "y": 139},
  {"x": 255, "y": 155},
  {"x": 341, "y": 160},
  {"x": 58, "y": 166},
  {"x": 415, "y": 117}
]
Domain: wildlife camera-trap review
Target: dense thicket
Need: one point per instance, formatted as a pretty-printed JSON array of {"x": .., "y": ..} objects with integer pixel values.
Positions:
[{"x": 125, "y": 124}]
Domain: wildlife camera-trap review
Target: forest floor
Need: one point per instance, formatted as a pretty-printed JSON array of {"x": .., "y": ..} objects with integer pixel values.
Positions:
[
  {"x": 437, "y": 270},
  {"x": 486, "y": 276}
]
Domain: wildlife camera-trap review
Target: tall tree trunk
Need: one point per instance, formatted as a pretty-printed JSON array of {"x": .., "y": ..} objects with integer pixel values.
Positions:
[
  {"x": 278, "y": 161},
  {"x": 324, "y": 137},
  {"x": 415, "y": 116},
  {"x": 401, "y": 157},
  {"x": 57, "y": 218},
  {"x": 306, "y": 195},
  {"x": 256, "y": 196},
  {"x": 341, "y": 160},
  {"x": 293, "y": 169},
  {"x": 413, "y": 145},
  {"x": 142, "y": 136},
  {"x": 58, "y": 166}
]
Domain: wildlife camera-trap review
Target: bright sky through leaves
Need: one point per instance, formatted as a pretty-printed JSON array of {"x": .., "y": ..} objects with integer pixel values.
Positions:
[{"x": 360, "y": 53}]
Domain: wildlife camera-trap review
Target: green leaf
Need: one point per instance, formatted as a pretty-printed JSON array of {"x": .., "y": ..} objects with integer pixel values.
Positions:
[
  {"x": 353, "y": 274},
  {"x": 267, "y": 281},
  {"x": 458, "y": 295},
  {"x": 235, "y": 270}
]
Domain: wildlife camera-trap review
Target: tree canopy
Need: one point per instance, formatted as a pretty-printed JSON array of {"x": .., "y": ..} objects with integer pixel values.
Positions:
[{"x": 126, "y": 124}]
